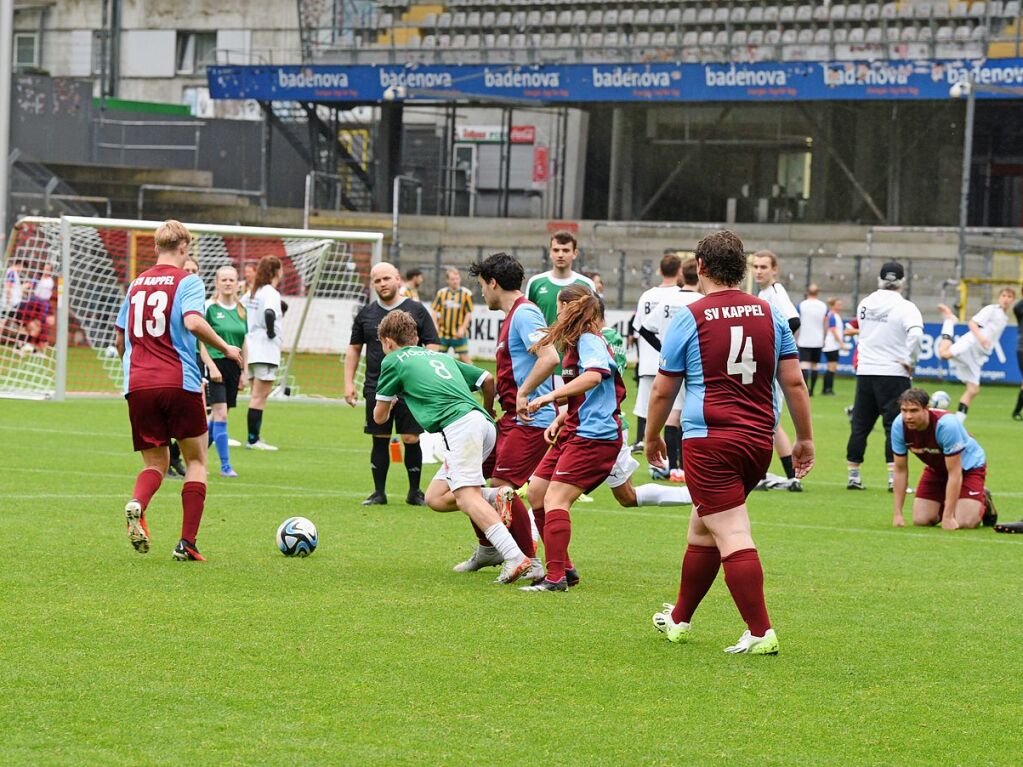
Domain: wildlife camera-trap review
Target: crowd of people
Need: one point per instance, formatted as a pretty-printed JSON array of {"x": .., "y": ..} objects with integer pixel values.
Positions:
[{"x": 716, "y": 364}]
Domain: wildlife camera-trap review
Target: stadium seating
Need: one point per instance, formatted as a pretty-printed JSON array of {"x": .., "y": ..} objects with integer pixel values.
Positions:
[{"x": 523, "y": 31}]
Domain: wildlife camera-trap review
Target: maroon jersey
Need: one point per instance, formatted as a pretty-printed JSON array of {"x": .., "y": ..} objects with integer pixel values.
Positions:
[
  {"x": 945, "y": 435},
  {"x": 159, "y": 350},
  {"x": 727, "y": 345}
]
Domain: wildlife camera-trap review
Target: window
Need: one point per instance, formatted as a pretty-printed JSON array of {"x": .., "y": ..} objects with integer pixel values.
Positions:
[
  {"x": 26, "y": 50},
  {"x": 194, "y": 51}
]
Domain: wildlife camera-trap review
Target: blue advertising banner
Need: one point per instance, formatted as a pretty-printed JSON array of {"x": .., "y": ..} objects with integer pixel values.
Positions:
[
  {"x": 654, "y": 82},
  {"x": 1000, "y": 368}
]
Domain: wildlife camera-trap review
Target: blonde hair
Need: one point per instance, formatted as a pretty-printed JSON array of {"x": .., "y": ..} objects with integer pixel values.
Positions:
[{"x": 170, "y": 234}]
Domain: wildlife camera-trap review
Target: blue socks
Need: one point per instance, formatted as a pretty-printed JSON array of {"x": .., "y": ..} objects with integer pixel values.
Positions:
[{"x": 218, "y": 431}]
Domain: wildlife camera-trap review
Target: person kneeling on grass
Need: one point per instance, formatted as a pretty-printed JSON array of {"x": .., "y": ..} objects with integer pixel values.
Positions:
[
  {"x": 438, "y": 392},
  {"x": 951, "y": 489}
]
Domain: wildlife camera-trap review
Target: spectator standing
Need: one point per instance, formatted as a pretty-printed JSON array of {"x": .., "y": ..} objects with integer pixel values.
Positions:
[
  {"x": 834, "y": 343},
  {"x": 413, "y": 280},
  {"x": 452, "y": 308}
]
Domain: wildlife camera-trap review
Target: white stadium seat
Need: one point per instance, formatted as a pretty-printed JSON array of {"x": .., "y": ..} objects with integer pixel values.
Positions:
[
  {"x": 890, "y": 11},
  {"x": 674, "y": 16},
  {"x": 565, "y": 18},
  {"x": 721, "y": 15},
  {"x": 853, "y": 12},
  {"x": 642, "y": 17},
  {"x": 786, "y": 14},
  {"x": 658, "y": 16},
  {"x": 738, "y": 15},
  {"x": 689, "y": 15},
  {"x": 705, "y": 15},
  {"x": 822, "y": 35},
  {"x": 908, "y": 34},
  {"x": 978, "y": 9},
  {"x": 624, "y": 17},
  {"x": 739, "y": 37},
  {"x": 756, "y": 37},
  {"x": 771, "y": 13},
  {"x": 838, "y": 12},
  {"x": 755, "y": 15},
  {"x": 659, "y": 39},
  {"x": 871, "y": 12},
  {"x": 804, "y": 13},
  {"x": 821, "y": 11}
]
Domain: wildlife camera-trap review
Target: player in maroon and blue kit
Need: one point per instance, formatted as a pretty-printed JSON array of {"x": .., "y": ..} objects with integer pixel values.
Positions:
[
  {"x": 585, "y": 438},
  {"x": 731, "y": 347},
  {"x": 157, "y": 325},
  {"x": 951, "y": 488}
]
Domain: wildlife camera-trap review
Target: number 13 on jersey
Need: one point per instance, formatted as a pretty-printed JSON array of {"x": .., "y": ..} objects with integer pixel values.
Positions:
[
  {"x": 740, "y": 356},
  {"x": 157, "y": 325}
]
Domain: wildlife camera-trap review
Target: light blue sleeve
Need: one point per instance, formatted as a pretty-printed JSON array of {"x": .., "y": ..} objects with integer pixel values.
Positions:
[
  {"x": 898, "y": 437},
  {"x": 122, "y": 314},
  {"x": 191, "y": 295},
  {"x": 593, "y": 354},
  {"x": 528, "y": 325},
  {"x": 951, "y": 435},
  {"x": 680, "y": 333},
  {"x": 786, "y": 342}
]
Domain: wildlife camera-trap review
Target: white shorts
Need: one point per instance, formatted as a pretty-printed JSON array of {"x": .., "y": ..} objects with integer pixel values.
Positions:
[
  {"x": 780, "y": 395},
  {"x": 262, "y": 371},
  {"x": 967, "y": 359},
  {"x": 624, "y": 466},
  {"x": 465, "y": 445},
  {"x": 646, "y": 385}
]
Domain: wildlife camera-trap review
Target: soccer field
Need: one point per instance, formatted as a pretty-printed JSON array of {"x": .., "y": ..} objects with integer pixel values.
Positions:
[{"x": 897, "y": 646}]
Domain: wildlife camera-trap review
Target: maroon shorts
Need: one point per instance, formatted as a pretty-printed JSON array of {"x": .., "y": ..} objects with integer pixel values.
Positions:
[
  {"x": 159, "y": 415},
  {"x": 721, "y": 472},
  {"x": 520, "y": 449},
  {"x": 579, "y": 461},
  {"x": 931, "y": 486}
]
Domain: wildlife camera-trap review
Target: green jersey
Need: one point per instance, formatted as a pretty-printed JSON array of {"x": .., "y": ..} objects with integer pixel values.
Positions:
[
  {"x": 437, "y": 388},
  {"x": 543, "y": 289},
  {"x": 617, "y": 343},
  {"x": 228, "y": 324}
]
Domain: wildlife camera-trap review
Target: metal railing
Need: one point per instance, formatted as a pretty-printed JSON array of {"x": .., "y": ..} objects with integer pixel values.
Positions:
[{"x": 123, "y": 145}]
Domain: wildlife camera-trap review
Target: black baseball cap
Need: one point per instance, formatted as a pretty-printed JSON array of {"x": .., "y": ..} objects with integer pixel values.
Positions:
[{"x": 892, "y": 271}]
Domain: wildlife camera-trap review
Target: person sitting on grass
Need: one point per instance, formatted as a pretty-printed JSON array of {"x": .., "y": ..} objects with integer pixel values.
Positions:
[{"x": 951, "y": 489}]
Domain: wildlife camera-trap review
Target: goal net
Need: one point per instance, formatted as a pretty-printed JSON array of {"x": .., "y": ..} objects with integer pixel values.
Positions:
[{"x": 65, "y": 279}]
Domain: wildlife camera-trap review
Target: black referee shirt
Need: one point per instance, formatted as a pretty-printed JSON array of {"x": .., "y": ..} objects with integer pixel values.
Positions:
[{"x": 364, "y": 333}]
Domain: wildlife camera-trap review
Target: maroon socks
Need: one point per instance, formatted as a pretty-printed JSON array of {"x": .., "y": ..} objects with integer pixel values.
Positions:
[
  {"x": 745, "y": 580},
  {"x": 193, "y": 499},
  {"x": 146, "y": 484},
  {"x": 557, "y": 532},
  {"x": 699, "y": 569}
]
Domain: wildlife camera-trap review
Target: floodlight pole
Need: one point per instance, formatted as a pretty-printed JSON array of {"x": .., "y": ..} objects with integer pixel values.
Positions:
[{"x": 964, "y": 192}]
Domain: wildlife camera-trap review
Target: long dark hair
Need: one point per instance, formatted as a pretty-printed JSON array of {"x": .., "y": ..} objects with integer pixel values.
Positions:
[
  {"x": 581, "y": 315},
  {"x": 267, "y": 268}
]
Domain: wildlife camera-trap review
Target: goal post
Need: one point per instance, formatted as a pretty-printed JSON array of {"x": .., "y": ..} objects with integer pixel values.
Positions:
[{"x": 57, "y": 330}]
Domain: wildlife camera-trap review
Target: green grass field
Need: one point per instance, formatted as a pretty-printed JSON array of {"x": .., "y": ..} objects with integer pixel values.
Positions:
[{"x": 898, "y": 646}]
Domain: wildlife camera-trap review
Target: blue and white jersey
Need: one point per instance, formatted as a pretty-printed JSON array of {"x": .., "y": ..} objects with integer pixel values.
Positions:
[
  {"x": 522, "y": 328},
  {"x": 159, "y": 351},
  {"x": 595, "y": 413},
  {"x": 944, "y": 436}
]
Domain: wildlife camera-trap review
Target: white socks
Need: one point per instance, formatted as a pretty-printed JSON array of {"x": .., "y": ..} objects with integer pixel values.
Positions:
[
  {"x": 660, "y": 495},
  {"x": 498, "y": 535}
]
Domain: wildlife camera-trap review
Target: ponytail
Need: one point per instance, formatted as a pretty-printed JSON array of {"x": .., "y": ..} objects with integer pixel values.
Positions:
[{"x": 581, "y": 314}]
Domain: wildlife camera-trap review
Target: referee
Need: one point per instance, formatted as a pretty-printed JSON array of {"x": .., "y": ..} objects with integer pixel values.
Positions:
[
  {"x": 889, "y": 343},
  {"x": 387, "y": 283}
]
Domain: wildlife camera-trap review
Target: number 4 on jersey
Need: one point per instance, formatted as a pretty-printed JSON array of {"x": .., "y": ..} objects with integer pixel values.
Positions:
[{"x": 740, "y": 361}]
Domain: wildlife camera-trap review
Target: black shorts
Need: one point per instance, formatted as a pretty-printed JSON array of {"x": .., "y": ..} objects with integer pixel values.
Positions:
[
  {"x": 227, "y": 390},
  {"x": 400, "y": 422},
  {"x": 810, "y": 354},
  {"x": 831, "y": 356}
]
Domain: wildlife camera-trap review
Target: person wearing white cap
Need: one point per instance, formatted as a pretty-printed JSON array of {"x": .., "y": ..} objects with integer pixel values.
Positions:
[{"x": 890, "y": 332}]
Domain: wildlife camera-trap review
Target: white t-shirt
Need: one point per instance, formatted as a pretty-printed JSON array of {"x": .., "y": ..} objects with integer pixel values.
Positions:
[
  {"x": 832, "y": 344},
  {"x": 812, "y": 312},
  {"x": 890, "y": 331},
  {"x": 44, "y": 288},
  {"x": 12, "y": 290},
  {"x": 648, "y": 303},
  {"x": 778, "y": 297},
  {"x": 657, "y": 322},
  {"x": 260, "y": 348},
  {"x": 992, "y": 321}
]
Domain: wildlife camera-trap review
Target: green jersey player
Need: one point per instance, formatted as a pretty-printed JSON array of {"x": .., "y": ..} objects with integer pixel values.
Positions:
[
  {"x": 438, "y": 391},
  {"x": 542, "y": 289}
]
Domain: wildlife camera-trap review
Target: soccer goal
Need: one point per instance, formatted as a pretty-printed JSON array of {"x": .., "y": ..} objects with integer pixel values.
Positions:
[{"x": 65, "y": 279}]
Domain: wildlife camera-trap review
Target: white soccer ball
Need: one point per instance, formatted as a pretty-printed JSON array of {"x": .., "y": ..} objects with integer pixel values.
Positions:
[
  {"x": 110, "y": 351},
  {"x": 297, "y": 537},
  {"x": 940, "y": 400},
  {"x": 960, "y": 89}
]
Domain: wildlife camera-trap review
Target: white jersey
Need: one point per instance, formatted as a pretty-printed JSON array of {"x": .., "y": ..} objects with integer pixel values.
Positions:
[
  {"x": 833, "y": 320},
  {"x": 778, "y": 297},
  {"x": 259, "y": 347},
  {"x": 890, "y": 331},
  {"x": 648, "y": 303},
  {"x": 812, "y": 312},
  {"x": 992, "y": 321},
  {"x": 657, "y": 322}
]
